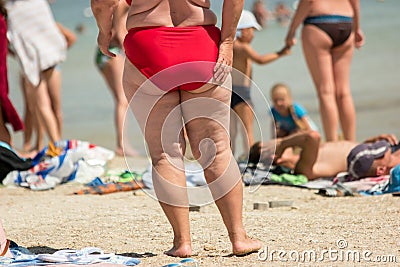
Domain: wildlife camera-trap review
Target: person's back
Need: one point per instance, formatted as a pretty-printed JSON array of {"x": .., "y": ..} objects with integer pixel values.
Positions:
[
  {"x": 162, "y": 108},
  {"x": 324, "y": 7},
  {"x": 144, "y": 13},
  {"x": 241, "y": 63}
]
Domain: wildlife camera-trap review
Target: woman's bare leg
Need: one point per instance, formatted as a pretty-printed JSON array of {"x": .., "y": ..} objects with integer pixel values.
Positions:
[
  {"x": 112, "y": 73},
  {"x": 245, "y": 113},
  {"x": 208, "y": 133},
  {"x": 341, "y": 58},
  {"x": 54, "y": 87},
  {"x": 233, "y": 130},
  {"x": 4, "y": 132},
  {"x": 28, "y": 114},
  {"x": 42, "y": 104},
  {"x": 316, "y": 47},
  {"x": 160, "y": 119}
]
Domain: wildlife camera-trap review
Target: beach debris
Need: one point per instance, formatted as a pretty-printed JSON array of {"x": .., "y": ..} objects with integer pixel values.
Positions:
[
  {"x": 280, "y": 203},
  {"x": 194, "y": 208},
  {"x": 260, "y": 206}
]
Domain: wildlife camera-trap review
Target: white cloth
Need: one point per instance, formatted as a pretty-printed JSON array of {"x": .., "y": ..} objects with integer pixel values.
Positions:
[{"x": 34, "y": 37}]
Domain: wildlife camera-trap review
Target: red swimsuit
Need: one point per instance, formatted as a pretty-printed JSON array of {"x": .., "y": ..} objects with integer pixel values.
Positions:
[{"x": 162, "y": 50}]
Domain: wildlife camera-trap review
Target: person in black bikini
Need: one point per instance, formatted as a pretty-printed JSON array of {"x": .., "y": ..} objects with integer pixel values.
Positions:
[{"x": 330, "y": 32}]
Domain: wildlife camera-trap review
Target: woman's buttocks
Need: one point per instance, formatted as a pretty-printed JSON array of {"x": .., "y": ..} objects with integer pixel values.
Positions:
[{"x": 171, "y": 13}]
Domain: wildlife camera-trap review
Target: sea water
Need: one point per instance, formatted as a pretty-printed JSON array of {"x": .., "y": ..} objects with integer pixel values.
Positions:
[{"x": 88, "y": 105}]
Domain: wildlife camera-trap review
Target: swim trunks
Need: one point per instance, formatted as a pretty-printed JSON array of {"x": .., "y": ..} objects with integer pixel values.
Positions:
[
  {"x": 101, "y": 59},
  {"x": 240, "y": 94},
  {"x": 155, "y": 49},
  {"x": 337, "y": 27}
]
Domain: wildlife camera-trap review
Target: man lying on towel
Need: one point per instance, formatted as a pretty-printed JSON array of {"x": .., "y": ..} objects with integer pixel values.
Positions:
[{"x": 376, "y": 156}]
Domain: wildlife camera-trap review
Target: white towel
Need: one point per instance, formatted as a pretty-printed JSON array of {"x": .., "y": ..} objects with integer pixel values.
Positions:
[{"x": 35, "y": 37}]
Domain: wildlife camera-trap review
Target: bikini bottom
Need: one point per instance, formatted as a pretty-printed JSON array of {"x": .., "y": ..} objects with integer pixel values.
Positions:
[{"x": 159, "y": 53}]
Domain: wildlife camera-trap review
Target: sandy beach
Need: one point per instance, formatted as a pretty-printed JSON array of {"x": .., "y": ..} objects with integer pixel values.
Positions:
[{"x": 133, "y": 224}]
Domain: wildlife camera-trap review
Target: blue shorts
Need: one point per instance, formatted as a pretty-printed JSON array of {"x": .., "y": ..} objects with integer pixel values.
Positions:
[{"x": 240, "y": 94}]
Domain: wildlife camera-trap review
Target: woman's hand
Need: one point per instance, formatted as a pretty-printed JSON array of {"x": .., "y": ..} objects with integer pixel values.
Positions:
[
  {"x": 224, "y": 62},
  {"x": 359, "y": 39},
  {"x": 103, "y": 41}
]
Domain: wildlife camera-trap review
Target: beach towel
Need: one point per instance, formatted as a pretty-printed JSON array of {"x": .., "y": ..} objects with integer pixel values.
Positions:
[
  {"x": 330, "y": 187},
  {"x": 34, "y": 37},
  {"x": 77, "y": 160},
  {"x": 111, "y": 188}
]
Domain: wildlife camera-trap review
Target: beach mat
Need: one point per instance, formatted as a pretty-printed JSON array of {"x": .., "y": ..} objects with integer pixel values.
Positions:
[{"x": 111, "y": 188}]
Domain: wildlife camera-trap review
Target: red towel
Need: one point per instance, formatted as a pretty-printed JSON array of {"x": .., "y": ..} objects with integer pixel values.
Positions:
[{"x": 10, "y": 115}]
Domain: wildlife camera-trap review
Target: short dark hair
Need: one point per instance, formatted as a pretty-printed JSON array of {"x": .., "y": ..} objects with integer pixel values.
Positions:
[{"x": 255, "y": 153}]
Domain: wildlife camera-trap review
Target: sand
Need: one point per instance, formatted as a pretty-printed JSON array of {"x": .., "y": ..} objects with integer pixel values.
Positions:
[{"x": 134, "y": 225}]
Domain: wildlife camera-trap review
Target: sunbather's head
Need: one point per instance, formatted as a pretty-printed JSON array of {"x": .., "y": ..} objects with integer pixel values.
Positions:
[
  {"x": 369, "y": 160},
  {"x": 255, "y": 153}
]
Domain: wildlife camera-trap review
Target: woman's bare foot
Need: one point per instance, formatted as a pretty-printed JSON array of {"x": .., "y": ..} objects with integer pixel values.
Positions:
[
  {"x": 245, "y": 246},
  {"x": 181, "y": 251}
]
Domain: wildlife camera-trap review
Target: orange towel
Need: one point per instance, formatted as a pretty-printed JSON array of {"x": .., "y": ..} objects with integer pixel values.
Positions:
[{"x": 111, "y": 188}]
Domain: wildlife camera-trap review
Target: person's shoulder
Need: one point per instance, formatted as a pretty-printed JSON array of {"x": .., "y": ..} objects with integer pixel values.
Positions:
[{"x": 299, "y": 108}]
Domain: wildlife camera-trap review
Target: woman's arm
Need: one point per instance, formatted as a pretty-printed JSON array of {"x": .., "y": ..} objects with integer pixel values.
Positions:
[
  {"x": 103, "y": 11},
  {"x": 301, "y": 13},
  {"x": 359, "y": 36},
  {"x": 231, "y": 11},
  {"x": 70, "y": 37}
]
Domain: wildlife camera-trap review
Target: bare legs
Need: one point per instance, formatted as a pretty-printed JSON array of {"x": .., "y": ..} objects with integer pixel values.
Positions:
[
  {"x": 245, "y": 114},
  {"x": 4, "y": 132},
  {"x": 330, "y": 70},
  {"x": 209, "y": 140},
  {"x": 39, "y": 113},
  {"x": 161, "y": 118},
  {"x": 54, "y": 87},
  {"x": 112, "y": 73}
]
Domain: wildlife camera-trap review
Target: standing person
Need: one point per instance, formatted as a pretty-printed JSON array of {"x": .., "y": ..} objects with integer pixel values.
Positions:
[
  {"x": 111, "y": 68},
  {"x": 34, "y": 124},
  {"x": 8, "y": 114},
  {"x": 261, "y": 12},
  {"x": 289, "y": 117},
  {"x": 177, "y": 45},
  {"x": 39, "y": 46},
  {"x": 243, "y": 57},
  {"x": 330, "y": 32}
]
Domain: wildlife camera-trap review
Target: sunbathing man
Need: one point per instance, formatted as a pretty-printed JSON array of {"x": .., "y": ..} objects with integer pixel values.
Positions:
[{"x": 373, "y": 157}]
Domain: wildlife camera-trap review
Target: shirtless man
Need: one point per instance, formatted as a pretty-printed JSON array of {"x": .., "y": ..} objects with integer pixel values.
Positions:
[
  {"x": 331, "y": 31},
  {"x": 327, "y": 159},
  {"x": 243, "y": 57},
  {"x": 161, "y": 35}
]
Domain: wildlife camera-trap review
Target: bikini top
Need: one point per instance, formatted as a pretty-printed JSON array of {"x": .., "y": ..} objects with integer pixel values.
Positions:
[{"x": 128, "y": 2}]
